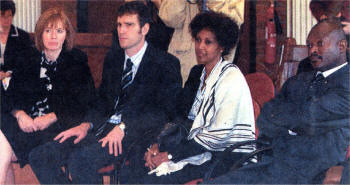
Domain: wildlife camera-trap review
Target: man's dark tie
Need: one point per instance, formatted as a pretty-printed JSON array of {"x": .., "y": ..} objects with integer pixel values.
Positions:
[
  {"x": 319, "y": 77},
  {"x": 316, "y": 84},
  {"x": 127, "y": 74},
  {"x": 126, "y": 81}
]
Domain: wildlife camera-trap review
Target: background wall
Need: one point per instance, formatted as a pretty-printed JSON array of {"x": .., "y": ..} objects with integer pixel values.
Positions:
[{"x": 98, "y": 16}]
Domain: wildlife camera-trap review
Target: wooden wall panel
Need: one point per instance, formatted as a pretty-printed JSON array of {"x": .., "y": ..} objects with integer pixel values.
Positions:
[
  {"x": 69, "y": 7},
  {"x": 96, "y": 46},
  {"x": 102, "y": 15}
]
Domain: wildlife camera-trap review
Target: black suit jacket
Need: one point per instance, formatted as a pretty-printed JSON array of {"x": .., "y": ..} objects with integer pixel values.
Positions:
[
  {"x": 318, "y": 114},
  {"x": 18, "y": 43},
  {"x": 73, "y": 87},
  {"x": 150, "y": 99}
]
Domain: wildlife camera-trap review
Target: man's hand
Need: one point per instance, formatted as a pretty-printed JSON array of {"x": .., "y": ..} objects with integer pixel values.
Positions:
[
  {"x": 160, "y": 158},
  {"x": 346, "y": 27},
  {"x": 4, "y": 74},
  {"x": 42, "y": 122},
  {"x": 154, "y": 150},
  {"x": 114, "y": 139},
  {"x": 25, "y": 122},
  {"x": 79, "y": 131}
]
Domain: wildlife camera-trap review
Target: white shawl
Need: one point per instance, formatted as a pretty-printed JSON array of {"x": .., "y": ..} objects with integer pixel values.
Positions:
[{"x": 226, "y": 115}]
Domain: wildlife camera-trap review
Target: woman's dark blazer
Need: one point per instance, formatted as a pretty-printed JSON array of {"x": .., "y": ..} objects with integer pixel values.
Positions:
[
  {"x": 73, "y": 88},
  {"x": 17, "y": 42}
]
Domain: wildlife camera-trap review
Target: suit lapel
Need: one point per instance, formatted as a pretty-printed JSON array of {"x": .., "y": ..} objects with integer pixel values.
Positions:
[
  {"x": 11, "y": 42},
  {"x": 118, "y": 71}
]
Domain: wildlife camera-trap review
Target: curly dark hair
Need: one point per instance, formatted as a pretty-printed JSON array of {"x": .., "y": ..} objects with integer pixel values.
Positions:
[
  {"x": 225, "y": 29},
  {"x": 8, "y": 5}
]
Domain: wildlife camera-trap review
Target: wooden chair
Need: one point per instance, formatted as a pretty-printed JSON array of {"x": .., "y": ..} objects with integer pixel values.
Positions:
[
  {"x": 334, "y": 174},
  {"x": 291, "y": 55},
  {"x": 262, "y": 90}
]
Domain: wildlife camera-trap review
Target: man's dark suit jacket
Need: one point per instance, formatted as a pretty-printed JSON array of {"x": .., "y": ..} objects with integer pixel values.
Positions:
[
  {"x": 72, "y": 91},
  {"x": 150, "y": 99},
  {"x": 319, "y": 114},
  {"x": 308, "y": 127}
]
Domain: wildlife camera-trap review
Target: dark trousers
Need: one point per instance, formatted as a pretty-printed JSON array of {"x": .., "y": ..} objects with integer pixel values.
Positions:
[
  {"x": 137, "y": 173},
  {"x": 83, "y": 161},
  {"x": 268, "y": 171}
]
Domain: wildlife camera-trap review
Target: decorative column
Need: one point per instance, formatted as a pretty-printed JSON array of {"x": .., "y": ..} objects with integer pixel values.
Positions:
[{"x": 27, "y": 13}]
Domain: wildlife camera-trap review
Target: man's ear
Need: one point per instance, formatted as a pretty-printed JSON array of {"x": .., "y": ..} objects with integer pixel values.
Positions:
[
  {"x": 145, "y": 29},
  {"x": 342, "y": 45}
]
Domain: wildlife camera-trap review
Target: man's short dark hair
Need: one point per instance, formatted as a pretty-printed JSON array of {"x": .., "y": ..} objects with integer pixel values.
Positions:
[
  {"x": 225, "y": 29},
  {"x": 8, "y": 5},
  {"x": 138, "y": 8}
]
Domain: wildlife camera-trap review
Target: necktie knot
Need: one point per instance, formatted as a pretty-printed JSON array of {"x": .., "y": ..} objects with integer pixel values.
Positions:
[
  {"x": 319, "y": 77},
  {"x": 129, "y": 65}
]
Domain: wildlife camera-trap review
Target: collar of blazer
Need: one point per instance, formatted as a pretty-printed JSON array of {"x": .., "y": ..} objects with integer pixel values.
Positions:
[
  {"x": 13, "y": 31},
  {"x": 342, "y": 72}
]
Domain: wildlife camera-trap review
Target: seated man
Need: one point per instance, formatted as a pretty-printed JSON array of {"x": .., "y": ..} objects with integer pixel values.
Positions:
[
  {"x": 137, "y": 94},
  {"x": 307, "y": 124}
]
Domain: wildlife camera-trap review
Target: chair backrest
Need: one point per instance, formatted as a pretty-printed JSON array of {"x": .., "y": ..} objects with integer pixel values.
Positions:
[
  {"x": 256, "y": 114},
  {"x": 261, "y": 87},
  {"x": 262, "y": 90},
  {"x": 291, "y": 55}
]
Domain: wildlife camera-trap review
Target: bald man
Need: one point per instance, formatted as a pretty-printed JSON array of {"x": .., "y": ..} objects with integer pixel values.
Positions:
[
  {"x": 307, "y": 124},
  {"x": 326, "y": 9}
]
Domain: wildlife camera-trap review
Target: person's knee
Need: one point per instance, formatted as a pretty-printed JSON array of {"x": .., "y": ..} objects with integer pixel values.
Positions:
[
  {"x": 36, "y": 156},
  {"x": 5, "y": 148},
  {"x": 79, "y": 160},
  {"x": 42, "y": 155}
]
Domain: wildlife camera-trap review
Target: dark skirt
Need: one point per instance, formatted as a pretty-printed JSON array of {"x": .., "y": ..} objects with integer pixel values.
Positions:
[{"x": 22, "y": 143}]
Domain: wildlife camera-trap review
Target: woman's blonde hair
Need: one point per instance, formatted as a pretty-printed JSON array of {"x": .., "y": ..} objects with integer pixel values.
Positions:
[{"x": 53, "y": 16}]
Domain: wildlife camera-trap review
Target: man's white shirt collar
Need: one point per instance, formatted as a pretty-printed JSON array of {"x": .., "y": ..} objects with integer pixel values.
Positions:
[
  {"x": 334, "y": 69},
  {"x": 137, "y": 58}
]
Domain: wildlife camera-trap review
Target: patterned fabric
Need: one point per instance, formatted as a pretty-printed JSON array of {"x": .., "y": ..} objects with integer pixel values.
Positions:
[
  {"x": 47, "y": 72},
  {"x": 126, "y": 81},
  {"x": 200, "y": 93},
  {"x": 226, "y": 115},
  {"x": 127, "y": 74},
  {"x": 198, "y": 99}
]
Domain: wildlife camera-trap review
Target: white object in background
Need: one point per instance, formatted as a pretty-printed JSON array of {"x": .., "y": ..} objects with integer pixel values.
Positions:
[{"x": 27, "y": 13}]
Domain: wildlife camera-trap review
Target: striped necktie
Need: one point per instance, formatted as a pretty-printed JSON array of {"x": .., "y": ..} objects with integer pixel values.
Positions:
[{"x": 127, "y": 74}]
